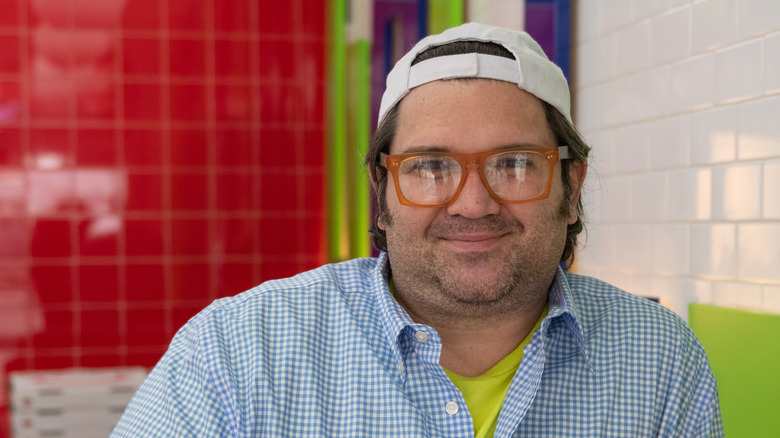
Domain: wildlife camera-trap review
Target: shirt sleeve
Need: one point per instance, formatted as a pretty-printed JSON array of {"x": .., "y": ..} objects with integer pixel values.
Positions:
[
  {"x": 180, "y": 397},
  {"x": 696, "y": 390},
  {"x": 716, "y": 424}
]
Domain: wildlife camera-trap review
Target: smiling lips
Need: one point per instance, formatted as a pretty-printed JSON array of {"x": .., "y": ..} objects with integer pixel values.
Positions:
[
  {"x": 473, "y": 242},
  {"x": 473, "y": 235}
]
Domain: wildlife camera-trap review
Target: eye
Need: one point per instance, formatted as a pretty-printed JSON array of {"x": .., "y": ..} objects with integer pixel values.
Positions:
[
  {"x": 512, "y": 162},
  {"x": 431, "y": 164},
  {"x": 427, "y": 166}
]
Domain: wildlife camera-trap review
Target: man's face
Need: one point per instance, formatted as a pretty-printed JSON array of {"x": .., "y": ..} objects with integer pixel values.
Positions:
[{"x": 475, "y": 256}]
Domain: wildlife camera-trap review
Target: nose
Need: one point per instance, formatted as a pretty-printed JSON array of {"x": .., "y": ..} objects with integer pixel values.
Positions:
[{"x": 474, "y": 200}]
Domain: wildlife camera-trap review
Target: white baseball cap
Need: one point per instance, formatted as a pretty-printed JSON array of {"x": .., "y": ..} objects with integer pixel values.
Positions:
[{"x": 531, "y": 70}]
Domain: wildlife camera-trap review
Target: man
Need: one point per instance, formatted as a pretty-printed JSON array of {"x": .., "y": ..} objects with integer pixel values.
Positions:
[{"x": 466, "y": 325}]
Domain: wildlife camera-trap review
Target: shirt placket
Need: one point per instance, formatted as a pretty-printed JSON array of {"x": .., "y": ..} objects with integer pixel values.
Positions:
[
  {"x": 523, "y": 388},
  {"x": 431, "y": 389}
]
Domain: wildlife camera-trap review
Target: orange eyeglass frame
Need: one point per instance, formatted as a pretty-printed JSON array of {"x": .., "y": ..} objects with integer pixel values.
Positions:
[{"x": 552, "y": 154}]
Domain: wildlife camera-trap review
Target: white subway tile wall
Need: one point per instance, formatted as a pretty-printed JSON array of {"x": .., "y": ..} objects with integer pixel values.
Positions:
[
  {"x": 651, "y": 93},
  {"x": 771, "y": 200},
  {"x": 693, "y": 83},
  {"x": 645, "y": 9},
  {"x": 758, "y": 252},
  {"x": 680, "y": 100},
  {"x": 617, "y": 14},
  {"x": 588, "y": 107},
  {"x": 759, "y": 129},
  {"x": 631, "y": 149},
  {"x": 734, "y": 294},
  {"x": 671, "y": 36},
  {"x": 670, "y": 247},
  {"x": 633, "y": 48},
  {"x": 736, "y": 192},
  {"x": 616, "y": 199},
  {"x": 714, "y": 24},
  {"x": 670, "y": 142},
  {"x": 588, "y": 19},
  {"x": 758, "y": 17},
  {"x": 772, "y": 63},
  {"x": 714, "y": 135},
  {"x": 672, "y": 3},
  {"x": 616, "y": 101},
  {"x": 689, "y": 197},
  {"x": 649, "y": 197},
  {"x": 738, "y": 72},
  {"x": 713, "y": 250}
]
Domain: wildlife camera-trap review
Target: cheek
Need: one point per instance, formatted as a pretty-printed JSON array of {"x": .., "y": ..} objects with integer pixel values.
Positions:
[
  {"x": 388, "y": 205},
  {"x": 387, "y": 200},
  {"x": 409, "y": 220},
  {"x": 548, "y": 214},
  {"x": 402, "y": 220}
]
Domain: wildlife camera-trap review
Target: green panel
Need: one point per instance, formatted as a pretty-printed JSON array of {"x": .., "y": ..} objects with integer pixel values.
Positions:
[
  {"x": 444, "y": 14},
  {"x": 336, "y": 131},
  {"x": 744, "y": 352}
]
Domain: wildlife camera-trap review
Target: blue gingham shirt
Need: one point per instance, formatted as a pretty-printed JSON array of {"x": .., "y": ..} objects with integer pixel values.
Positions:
[{"x": 331, "y": 353}]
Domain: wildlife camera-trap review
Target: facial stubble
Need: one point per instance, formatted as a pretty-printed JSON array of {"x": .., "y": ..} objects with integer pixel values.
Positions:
[{"x": 437, "y": 282}]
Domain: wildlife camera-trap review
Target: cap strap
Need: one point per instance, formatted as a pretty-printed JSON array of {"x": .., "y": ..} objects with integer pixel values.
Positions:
[{"x": 467, "y": 65}]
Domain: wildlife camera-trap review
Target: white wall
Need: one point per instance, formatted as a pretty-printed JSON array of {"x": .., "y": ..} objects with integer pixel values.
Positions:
[
  {"x": 680, "y": 100},
  {"x": 505, "y": 13}
]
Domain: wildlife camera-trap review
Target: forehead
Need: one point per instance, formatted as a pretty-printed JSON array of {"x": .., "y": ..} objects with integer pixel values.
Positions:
[{"x": 470, "y": 116}]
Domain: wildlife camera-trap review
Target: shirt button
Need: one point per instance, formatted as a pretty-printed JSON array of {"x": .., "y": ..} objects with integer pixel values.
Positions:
[
  {"x": 451, "y": 408},
  {"x": 400, "y": 367},
  {"x": 421, "y": 336}
]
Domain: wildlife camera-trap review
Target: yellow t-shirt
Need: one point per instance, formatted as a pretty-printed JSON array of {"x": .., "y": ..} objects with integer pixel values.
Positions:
[{"x": 485, "y": 394}]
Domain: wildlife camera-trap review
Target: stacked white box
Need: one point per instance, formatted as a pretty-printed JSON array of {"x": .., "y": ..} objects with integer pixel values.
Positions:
[{"x": 79, "y": 402}]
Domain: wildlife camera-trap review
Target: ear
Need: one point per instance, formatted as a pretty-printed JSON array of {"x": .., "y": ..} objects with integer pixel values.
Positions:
[
  {"x": 577, "y": 172},
  {"x": 374, "y": 185},
  {"x": 372, "y": 179}
]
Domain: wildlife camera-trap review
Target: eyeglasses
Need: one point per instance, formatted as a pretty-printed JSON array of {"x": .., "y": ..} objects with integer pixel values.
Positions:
[{"x": 511, "y": 176}]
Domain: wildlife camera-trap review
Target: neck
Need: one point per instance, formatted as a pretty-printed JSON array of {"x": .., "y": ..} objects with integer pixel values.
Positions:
[{"x": 472, "y": 345}]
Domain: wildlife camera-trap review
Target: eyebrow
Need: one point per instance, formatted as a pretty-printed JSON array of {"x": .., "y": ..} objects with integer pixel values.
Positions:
[
  {"x": 418, "y": 149},
  {"x": 444, "y": 149}
]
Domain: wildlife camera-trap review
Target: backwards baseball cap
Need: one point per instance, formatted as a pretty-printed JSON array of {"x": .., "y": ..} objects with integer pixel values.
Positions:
[{"x": 531, "y": 70}]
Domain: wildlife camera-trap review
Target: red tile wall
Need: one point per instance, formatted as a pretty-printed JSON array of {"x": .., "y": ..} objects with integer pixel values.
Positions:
[{"x": 154, "y": 155}]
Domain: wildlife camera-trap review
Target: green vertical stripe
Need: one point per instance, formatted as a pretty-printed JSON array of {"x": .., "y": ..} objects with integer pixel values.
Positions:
[
  {"x": 443, "y": 14},
  {"x": 336, "y": 132},
  {"x": 359, "y": 132}
]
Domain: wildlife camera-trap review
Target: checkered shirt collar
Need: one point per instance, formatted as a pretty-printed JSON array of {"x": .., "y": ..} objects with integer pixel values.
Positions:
[{"x": 395, "y": 319}]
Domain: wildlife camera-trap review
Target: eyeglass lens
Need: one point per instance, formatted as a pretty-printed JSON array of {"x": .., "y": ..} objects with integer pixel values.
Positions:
[{"x": 512, "y": 176}]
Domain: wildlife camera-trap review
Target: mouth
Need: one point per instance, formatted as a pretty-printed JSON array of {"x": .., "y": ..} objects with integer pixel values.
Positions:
[{"x": 473, "y": 242}]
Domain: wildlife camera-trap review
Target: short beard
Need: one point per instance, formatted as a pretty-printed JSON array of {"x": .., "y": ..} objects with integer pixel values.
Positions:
[
  {"x": 484, "y": 303},
  {"x": 516, "y": 286}
]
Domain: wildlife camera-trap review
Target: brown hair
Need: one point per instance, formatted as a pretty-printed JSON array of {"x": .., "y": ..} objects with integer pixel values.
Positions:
[{"x": 565, "y": 134}]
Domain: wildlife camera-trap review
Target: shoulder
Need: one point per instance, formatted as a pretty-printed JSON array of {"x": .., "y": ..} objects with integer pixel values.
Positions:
[
  {"x": 261, "y": 348},
  {"x": 608, "y": 312},
  {"x": 326, "y": 283},
  {"x": 284, "y": 307},
  {"x": 595, "y": 298},
  {"x": 640, "y": 351}
]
